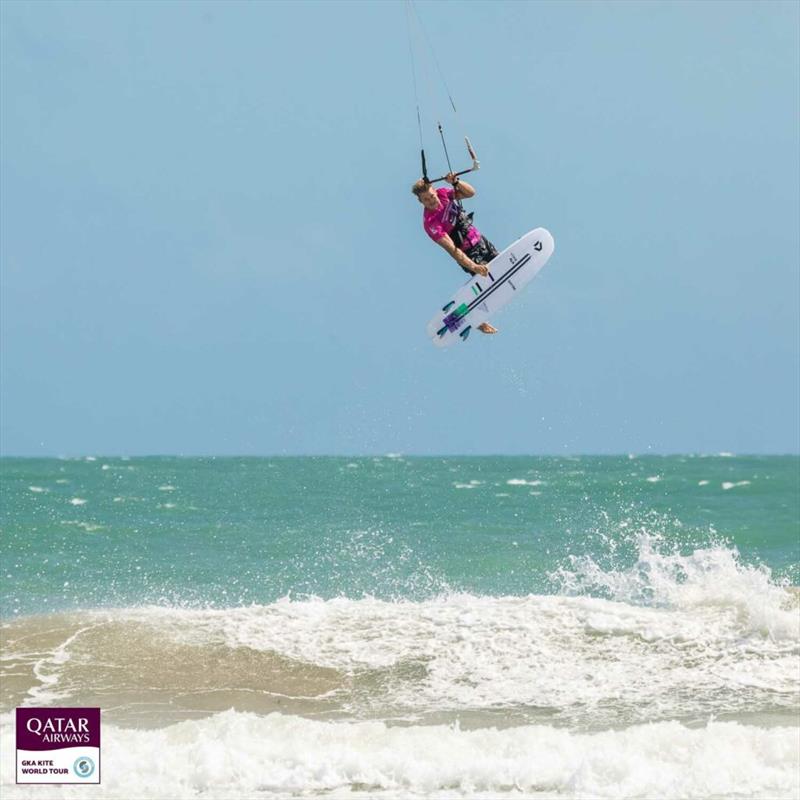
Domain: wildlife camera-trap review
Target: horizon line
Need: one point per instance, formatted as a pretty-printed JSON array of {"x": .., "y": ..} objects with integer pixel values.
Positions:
[{"x": 398, "y": 455}]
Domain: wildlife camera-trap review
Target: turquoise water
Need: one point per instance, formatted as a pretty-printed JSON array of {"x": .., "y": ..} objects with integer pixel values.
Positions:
[{"x": 231, "y": 531}]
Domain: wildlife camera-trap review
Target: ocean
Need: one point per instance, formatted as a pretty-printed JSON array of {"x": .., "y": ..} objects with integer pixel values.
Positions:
[{"x": 395, "y": 626}]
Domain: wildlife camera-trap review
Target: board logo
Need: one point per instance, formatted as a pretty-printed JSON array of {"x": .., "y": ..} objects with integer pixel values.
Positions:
[
  {"x": 538, "y": 246},
  {"x": 58, "y": 745}
]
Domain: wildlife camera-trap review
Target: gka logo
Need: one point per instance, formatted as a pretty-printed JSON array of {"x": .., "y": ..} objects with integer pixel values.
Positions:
[
  {"x": 58, "y": 745},
  {"x": 84, "y": 767},
  {"x": 537, "y": 246}
]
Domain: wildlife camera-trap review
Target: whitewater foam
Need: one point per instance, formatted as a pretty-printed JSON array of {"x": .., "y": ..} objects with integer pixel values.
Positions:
[
  {"x": 578, "y": 661},
  {"x": 706, "y": 580},
  {"x": 235, "y": 755}
]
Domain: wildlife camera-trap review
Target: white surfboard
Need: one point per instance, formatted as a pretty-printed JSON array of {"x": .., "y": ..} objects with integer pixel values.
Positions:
[{"x": 478, "y": 299}]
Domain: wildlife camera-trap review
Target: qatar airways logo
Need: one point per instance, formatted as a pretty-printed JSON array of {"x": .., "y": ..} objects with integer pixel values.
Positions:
[
  {"x": 58, "y": 745},
  {"x": 60, "y": 729}
]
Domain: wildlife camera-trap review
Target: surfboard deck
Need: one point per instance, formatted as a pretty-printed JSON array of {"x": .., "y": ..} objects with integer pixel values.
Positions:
[{"x": 481, "y": 297}]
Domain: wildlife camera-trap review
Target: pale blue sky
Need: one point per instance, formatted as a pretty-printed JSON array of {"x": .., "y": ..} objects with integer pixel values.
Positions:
[{"x": 209, "y": 245}]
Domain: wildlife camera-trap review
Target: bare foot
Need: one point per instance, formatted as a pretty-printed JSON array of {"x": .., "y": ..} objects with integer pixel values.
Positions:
[{"x": 485, "y": 327}]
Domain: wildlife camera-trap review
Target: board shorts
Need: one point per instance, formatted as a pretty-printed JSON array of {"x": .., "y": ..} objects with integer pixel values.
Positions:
[{"x": 481, "y": 252}]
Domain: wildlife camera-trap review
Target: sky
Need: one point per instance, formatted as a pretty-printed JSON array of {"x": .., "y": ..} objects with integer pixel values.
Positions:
[{"x": 208, "y": 243}]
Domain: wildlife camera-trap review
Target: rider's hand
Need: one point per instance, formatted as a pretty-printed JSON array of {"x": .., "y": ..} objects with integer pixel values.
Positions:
[
  {"x": 451, "y": 178},
  {"x": 480, "y": 269}
]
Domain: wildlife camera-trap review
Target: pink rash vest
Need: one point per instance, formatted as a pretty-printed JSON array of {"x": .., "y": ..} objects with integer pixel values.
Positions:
[{"x": 441, "y": 221}]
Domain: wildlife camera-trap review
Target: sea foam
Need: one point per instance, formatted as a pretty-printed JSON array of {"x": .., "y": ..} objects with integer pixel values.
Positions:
[
  {"x": 236, "y": 755},
  {"x": 586, "y": 662}
]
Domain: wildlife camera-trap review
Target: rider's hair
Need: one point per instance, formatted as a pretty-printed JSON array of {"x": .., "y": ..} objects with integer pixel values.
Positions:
[{"x": 420, "y": 186}]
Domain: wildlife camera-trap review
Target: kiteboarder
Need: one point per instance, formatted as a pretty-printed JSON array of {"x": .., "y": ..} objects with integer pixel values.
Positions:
[{"x": 446, "y": 222}]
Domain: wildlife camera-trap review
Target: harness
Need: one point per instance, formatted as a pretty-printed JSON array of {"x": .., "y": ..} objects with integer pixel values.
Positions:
[{"x": 461, "y": 226}]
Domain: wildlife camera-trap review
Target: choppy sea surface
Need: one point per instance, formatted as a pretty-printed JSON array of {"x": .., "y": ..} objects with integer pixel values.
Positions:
[{"x": 410, "y": 627}]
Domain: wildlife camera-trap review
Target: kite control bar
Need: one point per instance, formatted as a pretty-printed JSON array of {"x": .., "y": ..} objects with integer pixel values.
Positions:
[{"x": 476, "y": 165}]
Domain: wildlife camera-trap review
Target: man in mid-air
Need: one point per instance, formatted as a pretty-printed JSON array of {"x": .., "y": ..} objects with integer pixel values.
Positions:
[{"x": 448, "y": 225}]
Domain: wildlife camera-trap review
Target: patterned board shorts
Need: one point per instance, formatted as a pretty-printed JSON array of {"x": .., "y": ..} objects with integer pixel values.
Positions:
[{"x": 481, "y": 252}]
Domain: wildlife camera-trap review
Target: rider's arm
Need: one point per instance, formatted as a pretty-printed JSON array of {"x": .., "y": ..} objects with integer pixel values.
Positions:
[
  {"x": 460, "y": 256},
  {"x": 463, "y": 190}
]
